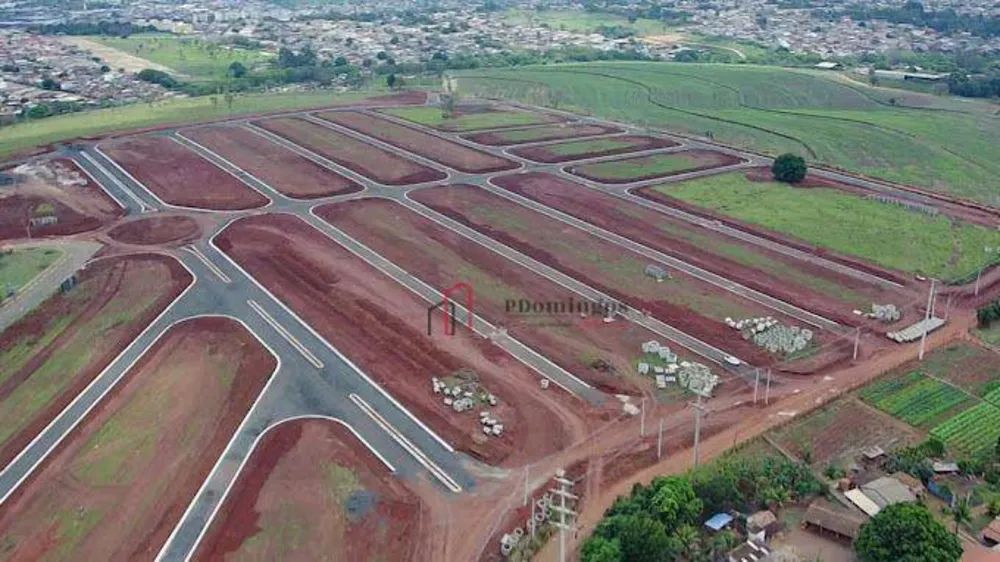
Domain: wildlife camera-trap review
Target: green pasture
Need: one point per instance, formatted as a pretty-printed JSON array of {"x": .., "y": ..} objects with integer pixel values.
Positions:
[
  {"x": 576, "y": 148},
  {"x": 463, "y": 122},
  {"x": 908, "y": 137},
  {"x": 18, "y": 268},
  {"x": 194, "y": 58},
  {"x": 885, "y": 234},
  {"x": 656, "y": 165}
]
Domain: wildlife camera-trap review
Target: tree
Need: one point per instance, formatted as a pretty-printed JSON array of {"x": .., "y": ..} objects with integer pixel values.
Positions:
[
  {"x": 687, "y": 541},
  {"x": 382, "y": 55},
  {"x": 600, "y": 549},
  {"x": 641, "y": 538},
  {"x": 789, "y": 168},
  {"x": 105, "y": 69},
  {"x": 39, "y": 111},
  {"x": 237, "y": 70},
  {"x": 340, "y": 61},
  {"x": 960, "y": 513},
  {"x": 674, "y": 501},
  {"x": 49, "y": 84},
  {"x": 906, "y": 533},
  {"x": 390, "y": 81}
]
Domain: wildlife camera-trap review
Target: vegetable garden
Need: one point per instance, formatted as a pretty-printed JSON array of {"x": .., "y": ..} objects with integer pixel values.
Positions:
[{"x": 915, "y": 398}]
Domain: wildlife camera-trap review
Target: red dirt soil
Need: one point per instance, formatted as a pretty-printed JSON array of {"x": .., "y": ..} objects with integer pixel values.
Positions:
[
  {"x": 586, "y": 257},
  {"x": 547, "y": 133},
  {"x": 639, "y": 224},
  {"x": 291, "y": 174},
  {"x": 446, "y": 126},
  {"x": 370, "y": 161},
  {"x": 698, "y": 160},
  {"x": 637, "y": 142},
  {"x": 81, "y": 207},
  {"x": 281, "y": 480},
  {"x": 156, "y": 230},
  {"x": 138, "y": 504},
  {"x": 181, "y": 177},
  {"x": 445, "y": 152},
  {"x": 602, "y": 354},
  {"x": 856, "y": 263},
  {"x": 381, "y": 326},
  {"x": 152, "y": 275}
]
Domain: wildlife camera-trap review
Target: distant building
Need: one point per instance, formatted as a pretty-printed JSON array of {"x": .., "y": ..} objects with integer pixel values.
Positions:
[
  {"x": 829, "y": 65},
  {"x": 719, "y": 521},
  {"x": 826, "y": 520}
]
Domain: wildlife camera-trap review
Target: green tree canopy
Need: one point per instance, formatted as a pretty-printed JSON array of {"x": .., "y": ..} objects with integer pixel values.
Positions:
[
  {"x": 906, "y": 533},
  {"x": 675, "y": 502},
  {"x": 789, "y": 168},
  {"x": 641, "y": 538},
  {"x": 237, "y": 70},
  {"x": 600, "y": 549}
]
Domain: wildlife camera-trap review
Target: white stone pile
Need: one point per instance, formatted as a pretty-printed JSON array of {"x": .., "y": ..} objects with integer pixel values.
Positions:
[
  {"x": 885, "y": 313},
  {"x": 772, "y": 335},
  {"x": 693, "y": 376},
  {"x": 464, "y": 397}
]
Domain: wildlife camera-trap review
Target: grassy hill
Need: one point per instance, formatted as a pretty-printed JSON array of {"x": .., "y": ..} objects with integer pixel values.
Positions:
[
  {"x": 944, "y": 144},
  {"x": 193, "y": 58}
]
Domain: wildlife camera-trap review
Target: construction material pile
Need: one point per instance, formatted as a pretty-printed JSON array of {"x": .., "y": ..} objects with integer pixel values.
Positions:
[
  {"x": 664, "y": 366},
  {"x": 463, "y": 392},
  {"x": 772, "y": 335},
  {"x": 887, "y": 313},
  {"x": 539, "y": 517}
]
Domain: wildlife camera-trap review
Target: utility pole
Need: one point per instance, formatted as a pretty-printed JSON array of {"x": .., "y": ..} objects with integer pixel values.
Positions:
[
  {"x": 767, "y": 391},
  {"x": 857, "y": 342},
  {"x": 562, "y": 510},
  {"x": 699, "y": 410},
  {"x": 659, "y": 441},
  {"x": 526, "y": 486},
  {"x": 927, "y": 317},
  {"x": 756, "y": 384},
  {"x": 642, "y": 418}
]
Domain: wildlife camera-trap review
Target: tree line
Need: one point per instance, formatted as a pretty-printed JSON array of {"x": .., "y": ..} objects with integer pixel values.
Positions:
[{"x": 109, "y": 28}]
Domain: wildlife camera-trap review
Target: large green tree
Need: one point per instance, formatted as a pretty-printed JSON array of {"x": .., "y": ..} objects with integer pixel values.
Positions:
[
  {"x": 906, "y": 533},
  {"x": 675, "y": 502},
  {"x": 600, "y": 549},
  {"x": 641, "y": 538},
  {"x": 789, "y": 168}
]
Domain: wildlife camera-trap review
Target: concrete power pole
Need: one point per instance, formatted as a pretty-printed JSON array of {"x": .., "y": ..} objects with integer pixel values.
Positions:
[
  {"x": 857, "y": 342},
  {"x": 756, "y": 385},
  {"x": 927, "y": 316},
  {"x": 699, "y": 410},
  {"x": 563, "y": 511},
  {"x": 767, "y": 389}
]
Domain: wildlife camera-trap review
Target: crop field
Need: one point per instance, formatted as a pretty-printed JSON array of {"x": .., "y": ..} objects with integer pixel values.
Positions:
[
  {"x": 602, "y": 354},
  {"x": 776, "y": 110},
  {"x": 291, "y": 174},
  {"x": 916, "y": 399},
  {"x": 180, "y": 177},
  {"x": 453, "y": 155},
  {"x": 508, "y": 137},
  {"x": 467, "y": 119},
  {"x": 683, "y": 300},
  {"x": 191, "y": 57},
  {"x": 312, "y": 491},
  {"x": 115, "y": 489},
  {"x": 381, "y": 327},
  {"x": 885, "y": 234},
  {"x": 19, "y": 267},
  {"x": 966, "y": 365},
  {"x": 973, "y": 431},
  {"x": 816, "y": 288},
  {"x": 51, "y": 354},
  {"x": 593, "y": 148},
  {"x": 370, "y": 161},
  {"x": 654, "y": 166}
]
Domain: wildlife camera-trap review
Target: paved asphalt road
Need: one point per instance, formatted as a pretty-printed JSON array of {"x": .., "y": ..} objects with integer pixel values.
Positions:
[{"x": 313, "y": 378}]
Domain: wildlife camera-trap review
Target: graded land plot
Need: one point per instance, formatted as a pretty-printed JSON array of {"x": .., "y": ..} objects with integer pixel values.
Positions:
[
  {"x": 695, "y": 307},
  {"x": 592, "y": 148},
  {"x": 53, "y": 353},
  {"x": 117, "y": 486},
  {"x": 453, "y": 155},
  {"x": 807, "y": 285},
  {"x": 470, "y": 118},
  {"x": 821, "y": 213},
  {"x": 370, "y": 161},
  {"x": 292, "y": 174},
  {"x": 57, "y": 196},
  {"x": 654, "y": 166},
  {"x": 602, "y": 354},
  {"x": 157, "y": 230},
  {"x": 382, "y": 327},
  {"x": 312, "y": 490},
  {"x": 559, "y": 131},
  {"x": 837, "y": 433},
  {"x": 180, "y": 177},
  {"x": 22, "y": 265}
]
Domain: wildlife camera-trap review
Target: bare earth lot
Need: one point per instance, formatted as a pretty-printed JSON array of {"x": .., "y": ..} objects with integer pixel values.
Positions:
[
  {"x": 115, "y": 489},
  {"x": 156, "y": 230},
  {"x": 312, "y": 491},
  {"x": 370, "y": 161},
  {"x": 180, "y": 177},
  {"x": 381, "y": 326},
  {"x": 591, "y": 148},
  {"x": 538, "y": 134},
  {"x": 654, "y": 166},
  {"x": 291, "y": 174}
]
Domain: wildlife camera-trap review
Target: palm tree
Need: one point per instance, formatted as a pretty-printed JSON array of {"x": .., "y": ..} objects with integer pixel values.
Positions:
[
  {"x": 960, "y": 513},
  {"x": 688, "y": 539}
]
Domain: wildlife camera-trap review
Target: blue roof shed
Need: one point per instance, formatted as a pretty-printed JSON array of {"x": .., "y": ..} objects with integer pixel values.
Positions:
[{"x": 719, "y": 521}]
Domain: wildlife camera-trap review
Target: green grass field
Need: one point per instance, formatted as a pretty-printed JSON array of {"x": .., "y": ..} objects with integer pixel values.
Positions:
[
  {"x": 885, "y": 234},
  {"x": 928, "y": 141},
  {"x": 463, "y": 122},
  {"x": 656, "y": 165},
  {"x": 575, "y": 148},
  {"x": 191, "y": 57},
  {"x": 990, "y": 335},
  {"x": 17, "y": 269},
  {"x": 580, "y": 21}
]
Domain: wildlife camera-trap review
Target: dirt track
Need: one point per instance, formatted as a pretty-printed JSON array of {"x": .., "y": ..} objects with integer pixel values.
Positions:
[
  {"x": 697, "y": 160},
  {"x": 279, "y": 487},
  {"x": 567, "y": 131},
  {"x": 547, "y": 155},
  {"x": 284, "y": 170},
  {"x": 134, "y": 288},
  {"x": 115, "y": 489},
  {"x": 156, "y": 230},
  {"x": 429, "y": 146},
  {"x": 370, "y": 161},
  {"x": 181, "y": 177},
  {"x": 381, "y": 327}
]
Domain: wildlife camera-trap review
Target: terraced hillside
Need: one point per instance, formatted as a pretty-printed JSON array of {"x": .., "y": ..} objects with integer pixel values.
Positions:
[{"x": 900, "y": 136}]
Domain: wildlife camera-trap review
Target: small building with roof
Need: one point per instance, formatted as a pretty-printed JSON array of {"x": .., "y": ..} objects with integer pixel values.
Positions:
[
  {"x": 719, "y": 521},
  {"x": 991, "y": 534},
  {"x": 826, "y": 520}
]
